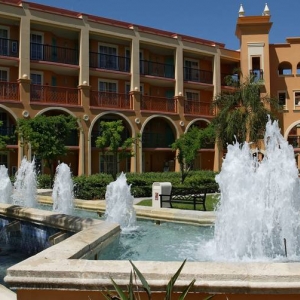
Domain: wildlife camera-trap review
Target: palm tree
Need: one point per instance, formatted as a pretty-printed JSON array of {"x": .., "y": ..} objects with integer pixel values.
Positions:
[{"x": 242, "y": 113}]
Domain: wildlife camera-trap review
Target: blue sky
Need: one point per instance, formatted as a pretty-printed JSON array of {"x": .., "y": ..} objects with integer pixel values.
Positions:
[{"x": 213, "y": 19}]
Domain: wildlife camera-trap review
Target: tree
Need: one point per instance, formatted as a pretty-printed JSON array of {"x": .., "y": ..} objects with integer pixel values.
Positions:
[
  {"x": 242, "y": 114},
  {"x": 111, "y": 142},
  {"x": 3, "y": 139},
  {"x": 187, "y": 147},
  {"x": 47, "y": 136}
]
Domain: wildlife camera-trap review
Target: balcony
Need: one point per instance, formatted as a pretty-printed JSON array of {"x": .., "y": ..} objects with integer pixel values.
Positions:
[
  {"x": 62, "y": 55},
  {"x": 197, "y": 75},
  {"x": 9, "y": 47},
  {"x": 158, "y": 104},
  {"x": 257, "y": 74},
  {"x": 110, "y": 100},
  {"x": 109, "y": 62},
  {"x": 10, "y": 132},
  {"x": 157, "y": 140},
  {"x": 157, "y": 69},
  {"x": 197, "y": 108},
  {"x": 54, "y": 95},
  {"x": 9, "y": 91}
]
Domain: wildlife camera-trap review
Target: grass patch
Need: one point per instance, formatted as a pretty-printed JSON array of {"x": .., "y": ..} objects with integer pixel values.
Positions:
[{"x": 211, "y": 202}]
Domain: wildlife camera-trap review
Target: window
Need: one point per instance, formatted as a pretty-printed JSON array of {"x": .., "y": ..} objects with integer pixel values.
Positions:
[
  {"x": 256, "y": 71},
  {"x": 108, "y": 58},
  {"x": 36, "y": 88},
  {"x": 285, "y": 68},
  {"x": 282, "y": 98},
  {"x": 192, "y": 96},
  {"x": 4, "y": 159},
  {"x": 4, "y": 42},
  {"x": 36, "y": 46},
  {"x": 3, "y": 75},
  {"x": 297, "y": 98},
  {"x": 107, "y": 86},
  {"x": 106, "y": 163},
  {"x": 191, "y": 70}
]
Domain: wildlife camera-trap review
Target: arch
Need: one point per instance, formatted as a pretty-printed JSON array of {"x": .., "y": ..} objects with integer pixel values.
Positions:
[
  {"x": 286, "y": 133},
  {"x": 10, "y": 111},
  {"x": 93, "y": 122},
  {"x": 285, "y": 68},
  {"x": 195, "y": 121}
]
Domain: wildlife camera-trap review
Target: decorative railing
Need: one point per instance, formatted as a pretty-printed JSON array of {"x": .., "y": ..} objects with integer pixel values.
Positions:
[
  {"x": 197, "y": 108},
  {"x": 257, "y": 74},
  {"x": 9, "y": 47},
  {"x": 10, "y": 132},
  {"x": 158, "y": 104},
  {"x": 109, "y": 62},
  {"x": 157, "y": 140},
  {"x": 54, "y": 94},
  {"x": 197, "y": 75},
  {"x": 110, "y": 100},
  {"x": 9, "y": 91},
  {"x": 56, "y": 54},
  {"x": 157, "y": 69}
]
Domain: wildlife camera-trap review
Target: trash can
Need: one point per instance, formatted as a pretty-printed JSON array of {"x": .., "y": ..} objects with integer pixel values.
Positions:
[{"x": 160, "y": 188}]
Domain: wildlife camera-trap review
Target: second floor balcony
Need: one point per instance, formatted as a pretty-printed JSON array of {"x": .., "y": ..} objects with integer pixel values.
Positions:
[
  {"x": 110, "y": 100},
  {"x": 54, "y": 95},
  {"x": 9, "y": 91},
  {"x": 158, "y": 104},
  {"x": 197, "y": 108},
  {"x": 9, "y": 47},
  {"x": 62, "y": 55}
]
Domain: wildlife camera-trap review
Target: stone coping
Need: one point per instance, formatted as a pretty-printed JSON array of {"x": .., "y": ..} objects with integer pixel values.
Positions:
[{"x": 58, "y": 267}]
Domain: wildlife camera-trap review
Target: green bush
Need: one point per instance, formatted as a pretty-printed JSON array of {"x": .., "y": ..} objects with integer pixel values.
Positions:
[{"x": 44, "y": 181}]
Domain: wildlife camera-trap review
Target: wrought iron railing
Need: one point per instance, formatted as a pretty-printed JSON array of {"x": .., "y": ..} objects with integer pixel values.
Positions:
[
  {"x": 10, "y": 132},
  {"x": 257, "y": 74},
  {"x": 157, "y": 69},
  {"x": 9, "y": 47},
  {"x": 110, "y": 100},
  {"x": 197, "y": 75},
  {"x": 56, "y": 54},
  {"x": 54, "y": 94},
  {"x": 157, "y": 140},
  {"x": 158, "y": 104},
  {"x": 109, "y": 62},
  {"x": 9, "y": 91},
  {"x": 197, "y": 108}
]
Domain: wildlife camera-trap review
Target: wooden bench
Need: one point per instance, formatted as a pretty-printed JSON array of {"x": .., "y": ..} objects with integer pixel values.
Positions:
[{"x": 193, "y": 196}]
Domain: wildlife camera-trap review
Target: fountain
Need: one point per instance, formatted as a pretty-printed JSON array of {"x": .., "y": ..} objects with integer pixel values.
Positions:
[
  {"x": 62, "y": 194},
  {"x": 119, "y": 203},
  {"x": 5, "y": 185},
  {"x": 258, "y": 213},
  {"x": 25, "y": 186}
]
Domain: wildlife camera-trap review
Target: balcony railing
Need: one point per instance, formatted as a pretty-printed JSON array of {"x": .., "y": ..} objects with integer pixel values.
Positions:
[
  {"x": 9, "y": 47},
  {"x": 157, "y": 69},
  {"x": 157, "y": 140},
  {"x": 9, "y": 91},
  {"x": 54, "y": 94},
  {"x": 109, "y": 62},
  {"x": 257, "y": 74},
  {"x": 9, "y": 131},
  {"x": 56, "y": 54},
  {"x": 197, "y": 108},
  {"x": 158, "y": 104},
  {"x": 110, "y": 100},
  {"x": 197, "y": 75}
]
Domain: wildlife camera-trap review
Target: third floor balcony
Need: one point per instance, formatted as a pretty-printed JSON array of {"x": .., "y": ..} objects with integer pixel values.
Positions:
[
  {"x": 62, "y": 55},
  {"x": 197, "y": 108},
  {"x": 197, "y": 75},
  {"x": 162, "y": 104},
  {"x": 114, "y": 100},
  {"x": 157, "y": 69},
  {"x": 109, "y": 62}
]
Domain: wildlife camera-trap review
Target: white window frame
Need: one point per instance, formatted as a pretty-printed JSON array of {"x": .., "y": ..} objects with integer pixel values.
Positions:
[
  {"x": 42, "y": 42},
  {"x": 296, "y": 105},
  {"x": 8, "y": 37},
  {"x": 7, "y": 71},
  {"x": 37, "y": 73},
  {"x": 108, "y": 81},
  {"x": 194, "y": 92},
  {"x": 285, "y": 102},
  {"x": 116, "y": 67},
  {"x": 195, "y": 72}
]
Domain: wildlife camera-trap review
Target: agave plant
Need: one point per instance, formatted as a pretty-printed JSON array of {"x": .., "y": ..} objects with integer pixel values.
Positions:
[{"x": 132, "y": 295}]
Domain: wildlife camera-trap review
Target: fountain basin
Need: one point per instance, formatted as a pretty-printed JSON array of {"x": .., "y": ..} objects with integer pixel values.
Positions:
[{"x": 58, "y": 270}]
